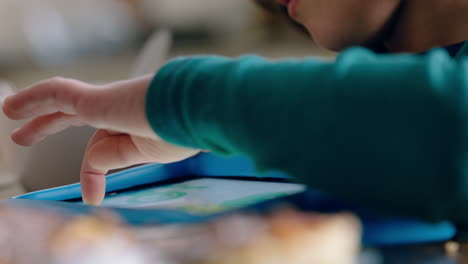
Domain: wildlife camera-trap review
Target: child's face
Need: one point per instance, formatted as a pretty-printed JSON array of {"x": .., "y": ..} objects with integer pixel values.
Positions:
[{"x": 338, "y": 24}]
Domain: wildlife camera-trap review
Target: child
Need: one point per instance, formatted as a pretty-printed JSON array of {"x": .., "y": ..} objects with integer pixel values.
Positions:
[{"x": 388, "y": 132}]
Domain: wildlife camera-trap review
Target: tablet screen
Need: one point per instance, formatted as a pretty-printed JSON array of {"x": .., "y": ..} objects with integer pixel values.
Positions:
[{"x": 203, "y": 196}]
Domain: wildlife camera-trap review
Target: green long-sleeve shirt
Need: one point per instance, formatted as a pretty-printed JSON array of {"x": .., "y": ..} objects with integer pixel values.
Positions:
[{"x": 388, "y": 132}]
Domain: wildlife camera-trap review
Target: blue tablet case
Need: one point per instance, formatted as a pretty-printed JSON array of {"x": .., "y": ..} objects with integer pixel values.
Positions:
[{"x": 376, "y": 231}]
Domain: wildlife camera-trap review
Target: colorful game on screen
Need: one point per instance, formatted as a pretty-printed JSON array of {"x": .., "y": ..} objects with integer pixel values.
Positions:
[{"x": 203, "y": 196}]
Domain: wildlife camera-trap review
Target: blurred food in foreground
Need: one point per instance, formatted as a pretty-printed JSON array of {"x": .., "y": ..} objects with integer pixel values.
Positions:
[{"x": 285, "y": 236}]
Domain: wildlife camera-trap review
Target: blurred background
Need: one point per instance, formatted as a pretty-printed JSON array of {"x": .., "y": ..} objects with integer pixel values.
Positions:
[{"x": 98, "y": 41}]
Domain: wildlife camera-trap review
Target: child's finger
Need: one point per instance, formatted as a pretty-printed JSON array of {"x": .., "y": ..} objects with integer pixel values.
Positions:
[
  {"x": 93, "y": 182},
  {"x": 43, "y": 126},
  {"x": 47, "y": 97},
  {"x": 105, "y": 152}
]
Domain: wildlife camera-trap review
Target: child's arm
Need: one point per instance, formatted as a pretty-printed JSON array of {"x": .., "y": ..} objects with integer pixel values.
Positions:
[{"x": 388, "y": 132}]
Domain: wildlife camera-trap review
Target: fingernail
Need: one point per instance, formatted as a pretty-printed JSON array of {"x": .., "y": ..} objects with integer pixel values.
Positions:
[
  {"x": 3, "y": 98},
  {"x": 91, "y": 202},
  {"x": 5, "y": 91}
]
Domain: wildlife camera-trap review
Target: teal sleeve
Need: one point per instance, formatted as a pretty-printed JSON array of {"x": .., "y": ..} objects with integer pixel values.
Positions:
[{"x": 387, "y": 132}]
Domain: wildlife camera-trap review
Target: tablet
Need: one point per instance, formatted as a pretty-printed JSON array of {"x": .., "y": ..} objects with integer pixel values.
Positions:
[{"x": 208, "y": 186}]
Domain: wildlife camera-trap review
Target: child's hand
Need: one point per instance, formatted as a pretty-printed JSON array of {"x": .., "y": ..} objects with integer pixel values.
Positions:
[{"x": 124, "y": 137}]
